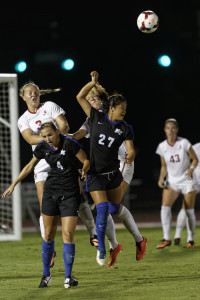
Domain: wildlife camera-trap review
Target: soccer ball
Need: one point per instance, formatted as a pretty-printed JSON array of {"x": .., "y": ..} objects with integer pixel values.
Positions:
[{"x": 147, "y": 21}]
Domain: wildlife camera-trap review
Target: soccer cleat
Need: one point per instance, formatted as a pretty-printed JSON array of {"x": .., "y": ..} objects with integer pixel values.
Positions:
[
  {"x": 177, "y": 241},
  {"x": 94, "y": 241},
  {"x": 101, "y": 257},
  {"x": 141, "y": 249},
  {"x": 191, "y": 244},
  {"x": 113, "y": 255},
  {"x": 163, "y": 244},
  {"x": 52, "y": 260},
  {"x": 70, "y": 281},
  {"x": 46, "y": 280}
]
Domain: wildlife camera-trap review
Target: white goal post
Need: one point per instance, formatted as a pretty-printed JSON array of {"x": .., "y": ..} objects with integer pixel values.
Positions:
[{"x": 10, "y": 207}]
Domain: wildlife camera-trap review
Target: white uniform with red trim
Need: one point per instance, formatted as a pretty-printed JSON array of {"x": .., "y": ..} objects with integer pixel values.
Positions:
[
  {"x": 126, "y": 170},
  {"x": 178, "y": 162},
  {"x": 47, "y": 111},
  {"x": 196, "y": 173}
]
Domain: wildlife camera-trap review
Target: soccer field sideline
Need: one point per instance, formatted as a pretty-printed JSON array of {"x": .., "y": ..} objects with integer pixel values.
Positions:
[{"x": 117, "y": 226}]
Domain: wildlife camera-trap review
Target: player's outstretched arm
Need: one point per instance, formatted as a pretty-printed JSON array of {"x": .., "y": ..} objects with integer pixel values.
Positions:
[
  {"x": 81, "y": 155},
  {"x": 25, "y": 171},
  {"x": 78, "y": 135},
  {"x": 81, "y": 97}
]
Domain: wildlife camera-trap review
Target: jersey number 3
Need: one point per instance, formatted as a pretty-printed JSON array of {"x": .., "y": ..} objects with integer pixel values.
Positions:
[{"x": 174, "y": 158}]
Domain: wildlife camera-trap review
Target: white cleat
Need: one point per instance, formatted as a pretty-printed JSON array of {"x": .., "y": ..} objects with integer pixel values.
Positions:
[
  {"x": 70, "y": 282},
  {"x": 101, "y": 257}
]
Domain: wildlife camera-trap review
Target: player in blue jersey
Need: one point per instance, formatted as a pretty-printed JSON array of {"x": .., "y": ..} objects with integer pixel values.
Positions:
[
  {"x": 98, "y": 98},
  {"x": 61, "y": 195},
  {"x": 107, "y": 133}
]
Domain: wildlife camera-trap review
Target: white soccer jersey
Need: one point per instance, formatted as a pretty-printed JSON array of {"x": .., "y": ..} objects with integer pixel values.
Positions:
[
  {"x": 47, "y": 111},
  {"x": 176, "y": 159},
  {"x": 196, "y": 173}
]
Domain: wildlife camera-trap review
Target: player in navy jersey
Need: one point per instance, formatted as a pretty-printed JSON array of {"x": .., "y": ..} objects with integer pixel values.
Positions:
[
  {"x": 107, "y": 133},
  {"x": 98, "y": 98},
  {"x": 61, "y": 195}
]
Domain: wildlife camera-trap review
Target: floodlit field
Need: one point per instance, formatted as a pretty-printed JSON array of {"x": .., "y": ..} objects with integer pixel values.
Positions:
[{"x": 172, "y": 273}]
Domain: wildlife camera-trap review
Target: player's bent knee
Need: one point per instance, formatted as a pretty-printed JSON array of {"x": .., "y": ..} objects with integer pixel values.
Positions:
[{"x": 113, "y": 208}]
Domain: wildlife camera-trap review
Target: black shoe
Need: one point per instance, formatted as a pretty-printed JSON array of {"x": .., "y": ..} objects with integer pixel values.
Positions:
[
  {"x": 177, "y": 241},
  {"x": 94, "y": 241},
  {"x": 70, "y": 281},
  {"x": 46, "y": 280}
]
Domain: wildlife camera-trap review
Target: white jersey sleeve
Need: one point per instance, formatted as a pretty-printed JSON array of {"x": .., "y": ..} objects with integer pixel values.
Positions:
[
  {"x": 23, "y": 123},
  {"x": 53, "y": 110},
  {"x": 86, "y": 127}
]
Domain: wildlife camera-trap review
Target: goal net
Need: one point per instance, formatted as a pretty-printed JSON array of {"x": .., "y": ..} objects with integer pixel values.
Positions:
[{"x": 10, "y": 207}]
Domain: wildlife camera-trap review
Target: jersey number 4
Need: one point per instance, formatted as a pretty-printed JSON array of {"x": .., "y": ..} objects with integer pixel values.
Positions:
[
  {"x": 103, "y": 138},
  {"x": 175, "y": 158},
  {"x": 59, "y": 166}
]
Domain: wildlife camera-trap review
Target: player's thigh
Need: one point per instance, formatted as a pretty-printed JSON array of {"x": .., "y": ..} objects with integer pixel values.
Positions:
[
  {"x": 189, "y": 200},
  {"x": 68, "y": 228},
  {"x": 40, "y": 189},
  {"x": 124, "y": 186},
  {"x": 50, "y": 227},
  {"x": 114, "y": 196},
  {"x": 169, "y": 196},
  {"x": 99, "y": 196}
]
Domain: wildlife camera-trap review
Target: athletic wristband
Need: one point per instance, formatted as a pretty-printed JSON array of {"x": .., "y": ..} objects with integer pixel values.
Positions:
[{"x": 192, "y": 167}]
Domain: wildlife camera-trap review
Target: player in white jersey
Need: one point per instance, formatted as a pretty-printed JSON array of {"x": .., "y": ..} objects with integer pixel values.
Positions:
[
  {"x": 178, "y": 161},
  {"x": 97, "y": 97},
  {"x": 182, "y": 219},
  {"x": 29, "y": 125}
]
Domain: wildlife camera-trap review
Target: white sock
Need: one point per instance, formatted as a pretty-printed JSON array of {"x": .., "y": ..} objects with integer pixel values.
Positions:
[
  {"x": 110, "y": 233},
  {"x": 191, "y": 223},
  {"x": 42, "y": 227},
  {"x": 166, "y": 218},
  {"x": 180, "y": 223},
  {"x": 87, "y": 217},
  {"x": 129, "y": 223}
]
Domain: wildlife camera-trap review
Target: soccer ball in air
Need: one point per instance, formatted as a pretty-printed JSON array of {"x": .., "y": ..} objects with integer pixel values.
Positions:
[{"x": 147, "y": 21}]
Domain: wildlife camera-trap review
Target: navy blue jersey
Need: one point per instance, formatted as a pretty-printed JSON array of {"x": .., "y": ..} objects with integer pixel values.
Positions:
[
  {"x": 63, "y": 176},
  {"x": 105, "y": 139}
]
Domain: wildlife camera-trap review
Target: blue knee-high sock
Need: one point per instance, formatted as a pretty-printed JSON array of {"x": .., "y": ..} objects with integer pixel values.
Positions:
[
  {"x": 47, "y": 252},
  {"x": 101, "y": 223},
  {"x": 68, "y": 256}
]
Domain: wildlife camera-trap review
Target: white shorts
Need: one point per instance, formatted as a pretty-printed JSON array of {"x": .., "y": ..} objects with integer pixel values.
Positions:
[
  {"x": 41, "y": 171},
  {"x": 41, "y": 176},
  {"x": 127, "y": 171},
  {"x": 182, "y": 188}
]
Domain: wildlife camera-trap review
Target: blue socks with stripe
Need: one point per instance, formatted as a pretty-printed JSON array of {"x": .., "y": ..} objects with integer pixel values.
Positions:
[
  {"x": 47, "y": 253},
  {"x": 68, "y": 256},
  {"x": 101, "y": 224}
]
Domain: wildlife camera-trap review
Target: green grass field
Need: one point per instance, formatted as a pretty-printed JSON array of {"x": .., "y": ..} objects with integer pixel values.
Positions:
[{"x": 172, "y": 273}]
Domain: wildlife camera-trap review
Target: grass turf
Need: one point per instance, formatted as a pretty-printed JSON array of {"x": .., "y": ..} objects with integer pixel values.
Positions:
[{"x": 170, "y": 273}]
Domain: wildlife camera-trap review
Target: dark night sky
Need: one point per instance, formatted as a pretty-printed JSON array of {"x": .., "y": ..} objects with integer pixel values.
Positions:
[{"x": 104, "y": 37}]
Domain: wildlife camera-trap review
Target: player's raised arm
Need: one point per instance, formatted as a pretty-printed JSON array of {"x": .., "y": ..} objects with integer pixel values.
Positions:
[
  {"x": 24, "y": 173},
  {"x": 81, "y": 97}
]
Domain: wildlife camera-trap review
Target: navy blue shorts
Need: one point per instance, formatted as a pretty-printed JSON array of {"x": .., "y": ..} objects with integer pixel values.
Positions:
[
  {"x": 105, "y": 182},
  {"x": 65, "y": 206}
]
